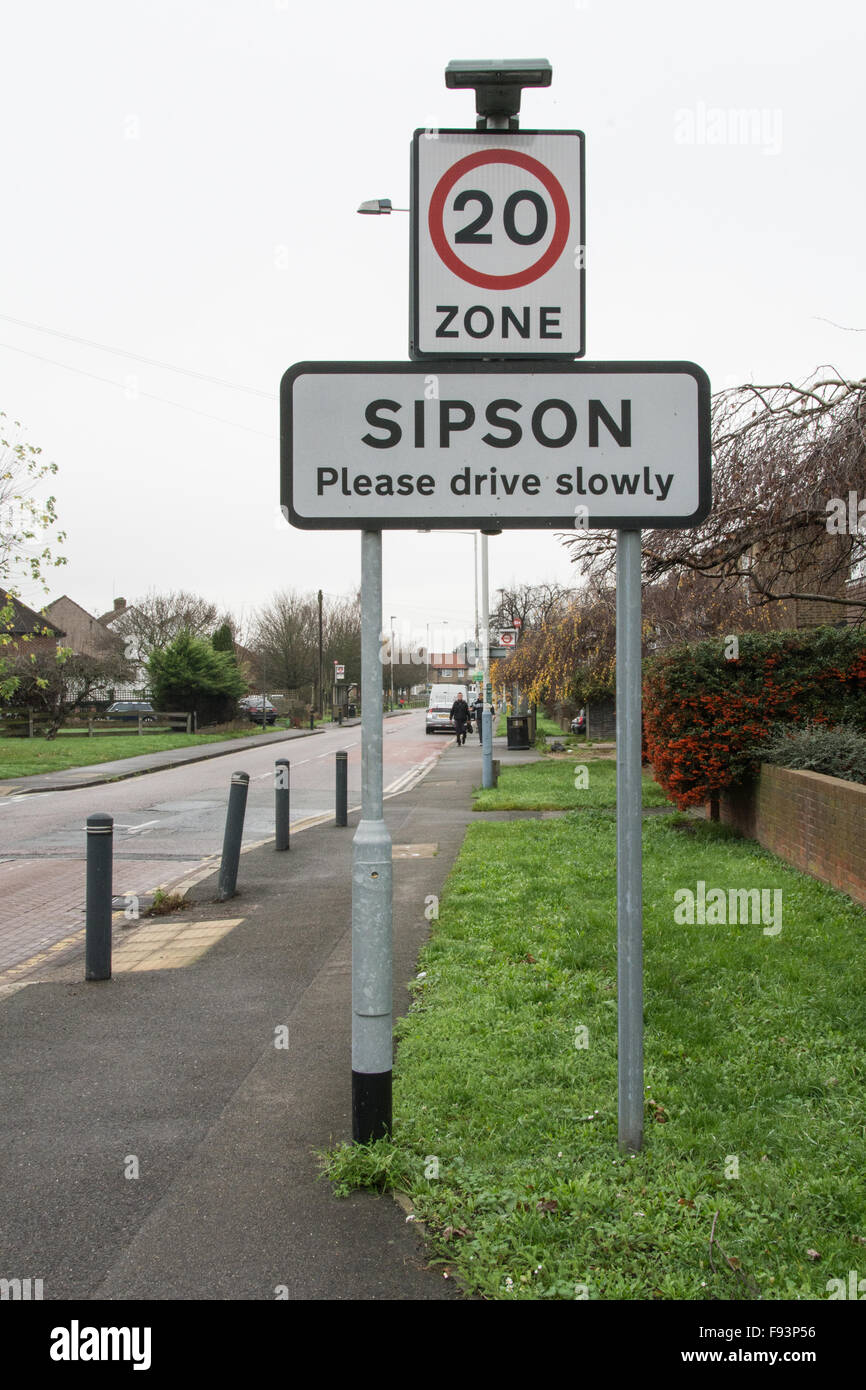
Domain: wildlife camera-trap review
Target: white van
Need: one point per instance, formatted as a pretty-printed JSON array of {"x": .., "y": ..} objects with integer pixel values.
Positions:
[{"x": 439, "y": 703}]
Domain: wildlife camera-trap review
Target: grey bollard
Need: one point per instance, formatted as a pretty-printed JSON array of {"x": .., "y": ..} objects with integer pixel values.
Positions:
[
  {"x": 342, "y": 788},
  {"x": 233, "y": 835},
  {"x": 282, "y": 776},
  {"x": 487, "y": 747},
  {"x": 97, "y": 949}
]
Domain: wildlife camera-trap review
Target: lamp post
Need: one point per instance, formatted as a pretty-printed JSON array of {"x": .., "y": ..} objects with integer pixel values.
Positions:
[{"x": 391, "y": 704}]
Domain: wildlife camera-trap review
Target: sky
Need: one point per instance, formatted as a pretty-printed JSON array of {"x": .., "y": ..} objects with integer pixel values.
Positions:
[{"x": 181, "y": 179}]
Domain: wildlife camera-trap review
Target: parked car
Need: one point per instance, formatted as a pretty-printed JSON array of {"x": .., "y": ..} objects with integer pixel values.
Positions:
[
  {"x": 251, "y": 705},
  {"x": 578, "y": 723},
  {"x": 128, "y": 711}
]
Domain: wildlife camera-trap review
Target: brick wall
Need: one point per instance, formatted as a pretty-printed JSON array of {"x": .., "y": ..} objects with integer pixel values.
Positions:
[{"x": 814, "y": 822}]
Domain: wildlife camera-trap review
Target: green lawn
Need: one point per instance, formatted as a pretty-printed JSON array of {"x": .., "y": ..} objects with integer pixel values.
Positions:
[
  {"x": 19, "y": 757},
  {"x": 506, "y": 1123},
  {"x": 550, "y": 785}
]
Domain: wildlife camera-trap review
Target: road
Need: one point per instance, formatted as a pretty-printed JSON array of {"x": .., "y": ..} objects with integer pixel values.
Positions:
[{"x": 165, "y": 824}]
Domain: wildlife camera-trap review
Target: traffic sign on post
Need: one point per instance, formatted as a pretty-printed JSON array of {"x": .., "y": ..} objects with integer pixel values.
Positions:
[
  {"x": 589, "y": 444},
  {"x": 498, "y": 255}
]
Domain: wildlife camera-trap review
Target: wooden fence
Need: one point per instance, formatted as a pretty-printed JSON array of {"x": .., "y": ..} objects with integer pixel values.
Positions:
[{"x": 33, "y": 724}]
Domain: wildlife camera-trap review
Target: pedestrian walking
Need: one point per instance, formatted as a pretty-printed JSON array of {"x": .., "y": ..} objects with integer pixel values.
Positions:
[
  {"x": 460, "y": 716},
  {"x": 478, "y": 716}
]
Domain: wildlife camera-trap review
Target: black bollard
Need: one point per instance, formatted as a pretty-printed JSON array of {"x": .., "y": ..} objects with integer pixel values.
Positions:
[
  {"x": 97, "y": 949},
  {"x": 281, "y": 802},
  {"x": 342, "y": 788},
  {"x": 233, "y": 835}
]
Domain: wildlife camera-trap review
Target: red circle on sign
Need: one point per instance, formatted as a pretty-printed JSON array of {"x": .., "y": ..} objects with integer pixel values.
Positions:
[{"x": 477, "y": 277}]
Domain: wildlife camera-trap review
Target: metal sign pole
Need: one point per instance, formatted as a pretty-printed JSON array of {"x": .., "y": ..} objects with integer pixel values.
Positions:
[
  {"x": 371, "y": 882},
  {"x": 485, "y": 621},
  {"x": 629, "y": 887}
]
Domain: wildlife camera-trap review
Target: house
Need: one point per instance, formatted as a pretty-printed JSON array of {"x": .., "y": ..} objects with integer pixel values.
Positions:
[
  {"x": 448, "y": 666},
  {"x": 25, "y": 629},
  {"x": 84, "y": 634}
]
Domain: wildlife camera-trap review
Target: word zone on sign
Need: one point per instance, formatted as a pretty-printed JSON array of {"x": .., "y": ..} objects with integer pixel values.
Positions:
[{"x": 582, "y": 445}]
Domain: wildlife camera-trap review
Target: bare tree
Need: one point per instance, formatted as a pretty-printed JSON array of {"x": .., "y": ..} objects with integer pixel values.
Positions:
[
  {"x": 55, "y": 680},
  {"x": 342, "y": 637},
  {"x": 785, "y": 459},
  {"x": 286, "y": 637},
  {"x": 152, "y": 622},
  {"x": 530, "y": 605}
]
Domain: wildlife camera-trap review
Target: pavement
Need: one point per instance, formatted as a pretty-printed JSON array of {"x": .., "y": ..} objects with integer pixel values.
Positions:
[{"x": 160, "y": 1130}]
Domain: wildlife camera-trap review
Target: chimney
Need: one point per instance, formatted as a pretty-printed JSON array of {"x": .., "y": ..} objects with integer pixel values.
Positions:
[{"x": 119, "y": 604}]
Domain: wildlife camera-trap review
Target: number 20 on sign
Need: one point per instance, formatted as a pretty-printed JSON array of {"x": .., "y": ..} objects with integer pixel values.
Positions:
[{"x": 497, "y": 244}]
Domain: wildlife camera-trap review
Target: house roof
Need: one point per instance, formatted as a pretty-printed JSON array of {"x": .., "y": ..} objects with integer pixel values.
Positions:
[
  {"x": 108, "y": 618},
  {"x": 26, "y": 622},
  {"x": 107, "y": 639}
]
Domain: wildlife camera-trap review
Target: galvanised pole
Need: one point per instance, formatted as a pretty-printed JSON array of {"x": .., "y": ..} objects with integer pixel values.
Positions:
[
  {"x": 629, "y": 891},
  {"x": 487, "y": 747},
  {"x": 485, "y": 621},
  {"x": 475, "y": 559},
  {"x": 372, "y": 968},
  {"x": 321, "y": 671}
]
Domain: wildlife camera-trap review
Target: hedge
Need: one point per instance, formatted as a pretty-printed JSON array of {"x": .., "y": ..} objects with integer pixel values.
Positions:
[{"x": 706, "y": 715}]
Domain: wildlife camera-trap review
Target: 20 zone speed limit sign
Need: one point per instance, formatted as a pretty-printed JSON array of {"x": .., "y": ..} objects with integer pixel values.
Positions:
[{"x": 497, "y": 244}]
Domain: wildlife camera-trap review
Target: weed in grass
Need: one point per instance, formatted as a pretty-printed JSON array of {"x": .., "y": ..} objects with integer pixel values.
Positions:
[{"x": 379, "y": 1165}]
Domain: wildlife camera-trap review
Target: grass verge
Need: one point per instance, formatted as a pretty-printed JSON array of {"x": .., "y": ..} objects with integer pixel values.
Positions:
[
  {"x": 749, "y": 1185},
  {"x": 25, "y": 756},
  {"x": 560, "y": 785}
]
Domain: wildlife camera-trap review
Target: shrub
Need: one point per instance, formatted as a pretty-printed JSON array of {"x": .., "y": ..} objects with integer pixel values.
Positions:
[
  {"x": 837, "y": 752},
  {"x": 189, "y": 675},
  {"x": 706, "y": 718}
]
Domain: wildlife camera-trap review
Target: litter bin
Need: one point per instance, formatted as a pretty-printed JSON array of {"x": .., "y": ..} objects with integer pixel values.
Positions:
[
  {"x": 351, "y": 712},
  {"x": 517, "y": 731}
]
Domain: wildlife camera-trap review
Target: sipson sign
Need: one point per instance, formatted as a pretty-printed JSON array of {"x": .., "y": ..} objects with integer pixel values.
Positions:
[
  {"x": 494, "y": 445},
  {"x": 498, "y": 253}
]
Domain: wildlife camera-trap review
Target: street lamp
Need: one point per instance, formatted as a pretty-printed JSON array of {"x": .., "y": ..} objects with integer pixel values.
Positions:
[{"x": 376, "y": 207}]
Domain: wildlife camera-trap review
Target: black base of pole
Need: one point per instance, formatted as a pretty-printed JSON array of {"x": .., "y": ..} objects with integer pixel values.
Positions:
[{"x": 371, "y": 1106}]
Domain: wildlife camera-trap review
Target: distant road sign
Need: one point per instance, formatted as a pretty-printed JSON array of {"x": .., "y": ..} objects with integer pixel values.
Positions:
[
  {"x": 498, "y": 256},
  {"x": 508, "y": 638},
  {"x": 374, "y": 445}
]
